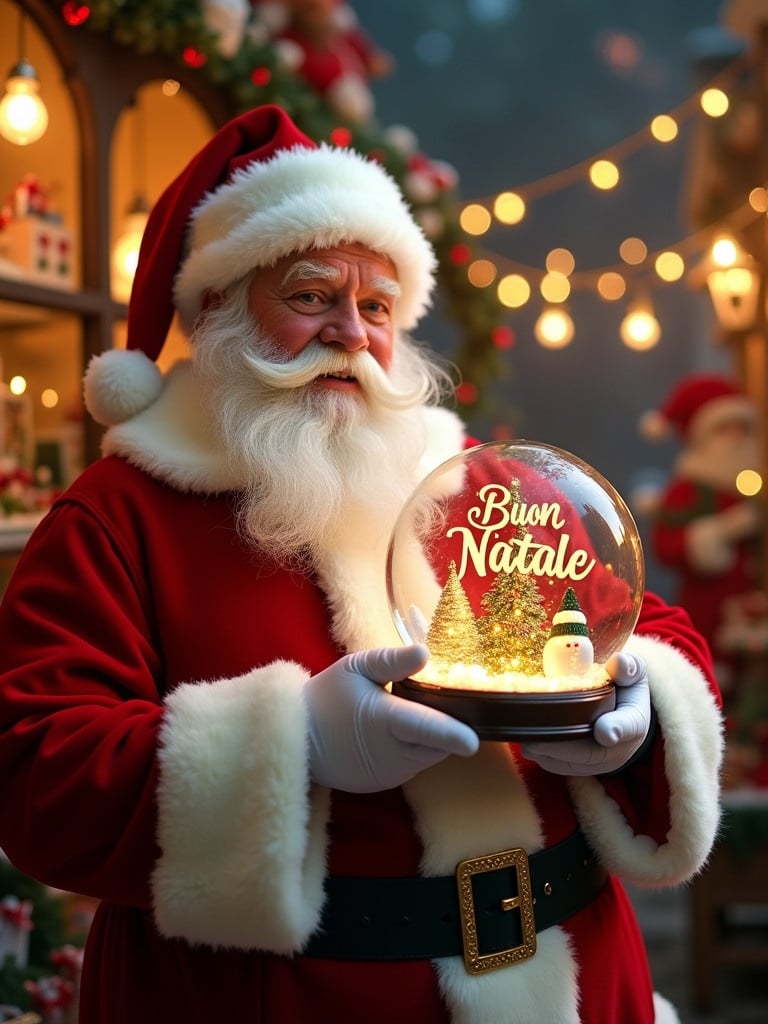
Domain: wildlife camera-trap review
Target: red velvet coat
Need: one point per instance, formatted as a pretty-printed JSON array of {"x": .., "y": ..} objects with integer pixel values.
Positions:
[{"x": 153, "y": 756}]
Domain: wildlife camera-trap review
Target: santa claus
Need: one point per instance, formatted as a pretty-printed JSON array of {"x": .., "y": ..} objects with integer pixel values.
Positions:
[
  {"x": 194, "y": 722},
  {"x": 705, "y": 526}
]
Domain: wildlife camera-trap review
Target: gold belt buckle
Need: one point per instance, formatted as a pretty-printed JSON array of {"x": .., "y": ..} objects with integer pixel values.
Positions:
[{"x": 474, "y": 961}]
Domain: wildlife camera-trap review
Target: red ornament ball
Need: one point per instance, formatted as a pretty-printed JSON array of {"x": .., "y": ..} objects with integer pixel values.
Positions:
[
  {"x": 466, "y": 392},
  {"x": 261, "y": 76},
  {"x": 503, "y": 337},
  {"x": 193, "y": 58},
  {"x": 75, "y": 14},
  {"x": 460, "y": 254},
  {"x": 341, "y": 136}
]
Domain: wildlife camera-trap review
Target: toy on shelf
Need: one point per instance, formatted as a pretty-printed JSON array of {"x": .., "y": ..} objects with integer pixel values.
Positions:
[{"x": 34, "y": 242}]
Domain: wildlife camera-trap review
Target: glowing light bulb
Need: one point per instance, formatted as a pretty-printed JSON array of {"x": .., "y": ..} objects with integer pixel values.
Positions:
[
  {"x": 513, "y": 291},
  {"x": 125, "y": 254},
  {"x": 640, "y": 329},
  {"x": 749, "y": 483},
  {"x": 475, "y": 219},
  {"x": 554, "y": 328},
  {"x": 23, "y": 115},
  {"x": 714, "y": 102}
]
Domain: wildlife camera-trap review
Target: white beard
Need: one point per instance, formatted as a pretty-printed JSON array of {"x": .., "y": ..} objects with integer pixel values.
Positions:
[
  {"x": 719, "y": 458},
  {"x": 311, "y": 459}
]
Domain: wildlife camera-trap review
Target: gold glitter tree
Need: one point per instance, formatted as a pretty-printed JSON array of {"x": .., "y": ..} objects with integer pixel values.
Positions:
[
  {"x": 452, "y": 636},
  {"x": 514, "y": 629}
]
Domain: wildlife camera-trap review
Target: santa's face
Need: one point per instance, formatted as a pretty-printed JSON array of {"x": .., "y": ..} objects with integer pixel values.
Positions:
[
  {"x": 321, "y": 435},
  {"x": 343, "y": 298}
]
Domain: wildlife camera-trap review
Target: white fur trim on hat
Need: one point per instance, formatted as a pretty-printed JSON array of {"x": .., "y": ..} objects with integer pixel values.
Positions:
[
  {"x": 119, "y": 384},
  {"x": 719, "y": 412},
  {"x": 303, "y": 199}
]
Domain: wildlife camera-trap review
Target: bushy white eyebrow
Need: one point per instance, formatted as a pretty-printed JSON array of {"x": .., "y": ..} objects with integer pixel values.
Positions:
[
  {"x": 306, "y": 270},
  {"x": 387, "y": 285}
]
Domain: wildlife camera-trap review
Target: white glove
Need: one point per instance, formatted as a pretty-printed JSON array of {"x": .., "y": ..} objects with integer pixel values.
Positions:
[
  {"x": 363, "y": 739},
  {"x": 617, "y": 735}
]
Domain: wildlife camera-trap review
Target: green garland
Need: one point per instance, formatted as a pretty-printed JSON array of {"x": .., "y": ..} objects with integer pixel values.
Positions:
[{"x": 172, "y": 26}]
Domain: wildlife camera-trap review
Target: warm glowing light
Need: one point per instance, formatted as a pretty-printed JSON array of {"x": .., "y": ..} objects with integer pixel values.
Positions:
[
  {"x": 17, "y": 385},
  {"x": 49, "y": 398},
  {"x": 23, "y": 115},
  {"x": 724, "y": 251},
  {"x": 554, "y": 328},
  {"x": 669, "y": 266},
  {"x": 555, "y": 287},
  {"x": 640, "y": 329},
  {"x": 737, "y": 281},
  {"x": 664, "y": 128},
  {"x": 611, "y": 286},
  {"x": 749, "y": 483},
  {"x": 733, "y": 282},
  {"x": 560, "y": 261},
  {"x": 481, "y": 273},
  {"x": 758, "y": 200},
  {"x": 170, "y": 87},
  {"x": 509, "y": 208},
  {"x": 475, "y": 219},
  {"x": 513, "y": 291},
  {"x": 714, "y": 102},
  {"x": 633, "y": 250},
  {"x": 125, "y": 255},
  {"x": 604, "y": 174}
]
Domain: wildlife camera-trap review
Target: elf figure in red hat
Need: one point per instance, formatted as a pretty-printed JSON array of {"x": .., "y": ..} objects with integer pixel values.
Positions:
[
  {"x": 195, "y": 727},
  {"x": 704, "y": 528}
]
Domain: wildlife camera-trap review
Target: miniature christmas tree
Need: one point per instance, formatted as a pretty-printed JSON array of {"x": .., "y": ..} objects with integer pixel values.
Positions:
[
  {"x": 513, "y": 630},
  {"x": 452, "y": 636}
]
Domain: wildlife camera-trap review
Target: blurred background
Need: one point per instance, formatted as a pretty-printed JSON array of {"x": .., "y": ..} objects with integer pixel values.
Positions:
[
  {"x": 575, "y": 158},
  {"x": 515, "y": 94}
]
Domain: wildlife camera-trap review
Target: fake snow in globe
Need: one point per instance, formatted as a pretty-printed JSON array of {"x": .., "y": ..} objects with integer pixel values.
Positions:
[{"x": 521, "y": 569}]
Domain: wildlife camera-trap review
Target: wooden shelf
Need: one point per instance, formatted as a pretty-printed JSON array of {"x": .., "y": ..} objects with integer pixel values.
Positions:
[{"x": 82, "y": 301}]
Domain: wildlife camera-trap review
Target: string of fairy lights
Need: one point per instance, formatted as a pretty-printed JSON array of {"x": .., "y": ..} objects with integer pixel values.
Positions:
[{"x": 638, "y": 270}]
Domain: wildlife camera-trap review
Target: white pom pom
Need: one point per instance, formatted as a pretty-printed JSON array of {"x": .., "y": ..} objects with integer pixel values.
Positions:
[
  {"x": 120, "y": 384},
  {"x": 653, "y": 426}
]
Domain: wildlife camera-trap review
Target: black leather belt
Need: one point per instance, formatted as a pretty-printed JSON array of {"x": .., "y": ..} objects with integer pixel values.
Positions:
[{"x": 489, "y": 911}]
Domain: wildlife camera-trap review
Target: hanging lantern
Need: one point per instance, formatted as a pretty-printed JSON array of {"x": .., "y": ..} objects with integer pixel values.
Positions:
[
  {"x": 125, "y": 253},
  {"x": 733, "y": 282},
  {"x": 23, "y": 115}
]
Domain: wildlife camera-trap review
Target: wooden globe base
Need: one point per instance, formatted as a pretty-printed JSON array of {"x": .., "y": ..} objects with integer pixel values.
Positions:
[{"x": 496, "y": 715}]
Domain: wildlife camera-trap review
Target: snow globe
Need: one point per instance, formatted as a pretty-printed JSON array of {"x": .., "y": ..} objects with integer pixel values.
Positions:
[{"x": 521, "y": 569}]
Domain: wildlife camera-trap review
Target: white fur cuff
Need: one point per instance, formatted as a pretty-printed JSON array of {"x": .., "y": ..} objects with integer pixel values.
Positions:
[
  {"x": 241, "y": 830},
  {"x": 691, "y": 724}
]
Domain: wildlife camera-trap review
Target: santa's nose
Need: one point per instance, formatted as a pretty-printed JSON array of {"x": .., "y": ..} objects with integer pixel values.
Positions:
[{"x": 344, "y": 327}]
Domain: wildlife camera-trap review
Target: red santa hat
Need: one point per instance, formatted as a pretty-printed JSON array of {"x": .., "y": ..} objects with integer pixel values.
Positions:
[
  {"x": 697, "y": 404},
  {"x": 258, "y": 190}
]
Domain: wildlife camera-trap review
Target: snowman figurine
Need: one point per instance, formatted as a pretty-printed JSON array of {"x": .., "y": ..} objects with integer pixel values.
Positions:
[{"x": 568, "y": 651}]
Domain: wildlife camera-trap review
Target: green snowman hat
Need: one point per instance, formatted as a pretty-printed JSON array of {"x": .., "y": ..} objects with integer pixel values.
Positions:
[{"x": 569, "y": 618}]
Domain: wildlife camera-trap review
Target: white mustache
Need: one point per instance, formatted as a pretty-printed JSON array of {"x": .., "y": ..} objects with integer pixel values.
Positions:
[{"x": 317, "y": 360}]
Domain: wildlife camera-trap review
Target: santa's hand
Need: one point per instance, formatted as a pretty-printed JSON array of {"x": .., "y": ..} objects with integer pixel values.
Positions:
[
  {"x": 617, "y": 735},
  {"x": 363, "y": 739}
]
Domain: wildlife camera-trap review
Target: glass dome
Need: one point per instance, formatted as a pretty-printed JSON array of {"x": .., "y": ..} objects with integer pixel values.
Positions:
[{"x": 520, "y": 567}]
